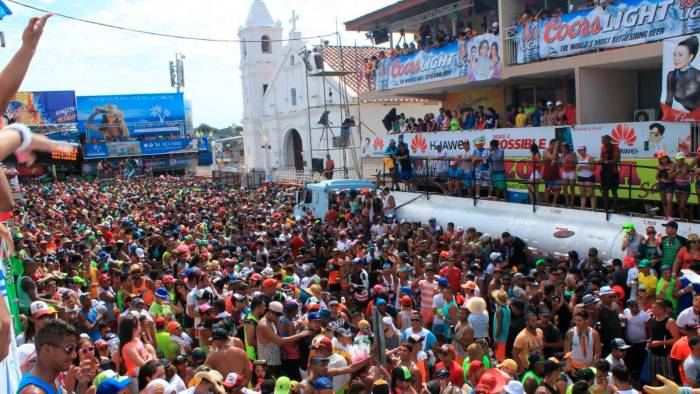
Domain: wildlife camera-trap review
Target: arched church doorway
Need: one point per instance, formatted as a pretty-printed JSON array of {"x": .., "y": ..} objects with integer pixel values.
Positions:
[{"x": 294, "y": 150}]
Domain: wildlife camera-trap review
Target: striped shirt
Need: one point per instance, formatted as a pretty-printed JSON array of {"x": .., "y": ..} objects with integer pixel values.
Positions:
[{"x": 427, "y": 292}]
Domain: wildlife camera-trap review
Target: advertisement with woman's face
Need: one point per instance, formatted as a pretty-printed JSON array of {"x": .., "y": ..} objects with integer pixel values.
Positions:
[{"x": 680, "y": 86}]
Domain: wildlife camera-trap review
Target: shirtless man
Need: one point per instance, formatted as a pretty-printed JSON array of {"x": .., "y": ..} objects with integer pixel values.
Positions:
[{"x": 225, "y": 357}]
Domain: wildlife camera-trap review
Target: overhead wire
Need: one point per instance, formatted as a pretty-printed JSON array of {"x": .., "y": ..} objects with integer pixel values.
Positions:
[{"x": 152, "y": 33}]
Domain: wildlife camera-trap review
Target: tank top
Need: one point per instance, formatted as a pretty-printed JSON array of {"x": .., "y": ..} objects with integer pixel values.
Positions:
[
  {"x": 568, "y": 162},
  {"x": 291, "y": 351},
  {"x": 91, "y": 315},
  {"x": 249, "y": 348},
  {"x": 577, "y": 353},
  {"x": 550, "y": 170},
  {"x": 24, "y": 300},
  {"x": 505, "y": 320},
  {"x": 270, "y": 352},
  {"x": 132, "y": 369},
  {"x": 530, "y": 374},
  {"x": 535, "y": 161},
  {"x": 29, "y": 380},
  {"x": 584, "y": 167},
  {"x": 445, "y": 314},
  {"x": 480, "y": 324},
  {"x": 146, "y": 293},
  {"x": 659, "y": 332}
]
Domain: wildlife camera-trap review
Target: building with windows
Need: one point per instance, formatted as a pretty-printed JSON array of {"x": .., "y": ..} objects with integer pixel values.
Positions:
[{"x": 283, "y": 104}]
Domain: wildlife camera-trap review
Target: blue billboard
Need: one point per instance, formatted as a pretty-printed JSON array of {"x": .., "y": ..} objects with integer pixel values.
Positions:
[
  {"x": 121, "y": 117},
  {"x": 140, "y": 148},
  {"x": 42, "y": 108}
]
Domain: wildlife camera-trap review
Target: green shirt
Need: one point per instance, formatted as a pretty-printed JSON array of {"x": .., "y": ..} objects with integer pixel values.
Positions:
[
  {"x": 169, "y": 347},
  {"x": 670, "y": 249},
  {"x": 159, "y": 310},
  {"x": 668, "y": 294}
]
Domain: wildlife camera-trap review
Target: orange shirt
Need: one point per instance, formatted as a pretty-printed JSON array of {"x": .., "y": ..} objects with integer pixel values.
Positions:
[
  {"x": 686, "y": 258},
  {"x": 679, "y": 352}
]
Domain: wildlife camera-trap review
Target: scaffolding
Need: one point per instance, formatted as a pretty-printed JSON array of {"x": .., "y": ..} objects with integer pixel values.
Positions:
[{"x": 330, "y": 140}]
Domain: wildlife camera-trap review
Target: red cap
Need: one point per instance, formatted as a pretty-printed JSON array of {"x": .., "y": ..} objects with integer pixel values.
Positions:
[
  {"x": 168, "y": 279},
  {"x": 444, "y": 254},
  {"x": 172, "y": 326},
  {"x": 160, "y": 321},
  {"x": 474, "y": 366},
  {"x": 269, "y": 282},
  {"x": 325, "y": 342},
  {"x": 313, "y": 307},
  {"x": 255, "y": 277},
  {"x": 406, "y": 300},
  {"x": 103, "y": 277}
]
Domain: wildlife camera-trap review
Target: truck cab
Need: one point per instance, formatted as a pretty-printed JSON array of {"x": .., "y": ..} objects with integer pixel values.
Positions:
[{"x": 318, "y": 197}]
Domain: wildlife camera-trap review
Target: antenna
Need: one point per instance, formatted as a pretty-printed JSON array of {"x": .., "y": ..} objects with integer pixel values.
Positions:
[{"x": 177, "y": 72}]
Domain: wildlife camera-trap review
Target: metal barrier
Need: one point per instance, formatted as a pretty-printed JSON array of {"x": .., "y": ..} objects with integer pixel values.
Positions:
[
  {"x": 510, "y": 45},
  {"x": 250, "y": 179},
  {"x": 517, "y": 177}
]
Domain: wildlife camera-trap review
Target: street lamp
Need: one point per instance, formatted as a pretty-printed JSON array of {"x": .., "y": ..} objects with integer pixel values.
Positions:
[{"x": 266, "y": 147}]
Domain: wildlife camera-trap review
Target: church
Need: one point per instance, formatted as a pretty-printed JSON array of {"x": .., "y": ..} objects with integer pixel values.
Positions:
[{"x": 284, "y": 98}]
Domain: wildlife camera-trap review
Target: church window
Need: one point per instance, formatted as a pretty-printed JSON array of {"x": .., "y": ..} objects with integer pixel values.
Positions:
[
  {"x": 291, "y": 61},
  {"x": 264, "y": 88},
  {"x": 265, "y": 44},
  {"x": 293, "y": 94}
]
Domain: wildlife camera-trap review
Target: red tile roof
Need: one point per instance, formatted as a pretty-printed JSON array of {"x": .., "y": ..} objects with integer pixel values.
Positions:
[{"x": 349, "y": 59}]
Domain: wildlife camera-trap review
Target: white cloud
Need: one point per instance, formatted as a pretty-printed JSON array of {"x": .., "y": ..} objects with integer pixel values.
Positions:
[{"x": 96, "y": 60}]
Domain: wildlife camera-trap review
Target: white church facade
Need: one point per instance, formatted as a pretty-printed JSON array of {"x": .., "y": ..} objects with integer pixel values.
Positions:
[{"x": 279, "y": 131}]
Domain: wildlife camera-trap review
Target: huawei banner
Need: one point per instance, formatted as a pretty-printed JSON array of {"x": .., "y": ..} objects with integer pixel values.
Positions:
[{"x": 680, "y": 83}]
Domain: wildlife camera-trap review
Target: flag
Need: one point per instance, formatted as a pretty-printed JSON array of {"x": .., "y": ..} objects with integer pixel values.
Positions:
[{"x": 4, "y": 10}]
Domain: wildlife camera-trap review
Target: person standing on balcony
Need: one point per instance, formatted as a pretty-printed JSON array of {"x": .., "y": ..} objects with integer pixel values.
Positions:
[
  {"x": 466, "y": 158},
  {"x": 535, "y": 173},
  {"x": 568, "y": 175},
  {"x": 521, "y": 118},
  {"x": 664, "y": 183},
  {"x": 406, "y": 170},
  {"x": 330, "y": 166},
  {"x": 550, "y": 172},
  {"x": 560, "y": 117},
  {"x": 681, "y": 177},
  {"x": 609, "y": 171},
  {"x": 549, "y": 117},
  {"x": 496, "y": 160}
]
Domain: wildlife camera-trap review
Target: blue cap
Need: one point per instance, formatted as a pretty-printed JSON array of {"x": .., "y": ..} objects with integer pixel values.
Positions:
[
  {"x": 406, "y": 290},
  {"x": 313, "y": 316},
  {"x": 442, "y": 282},
  {"x": 113, "y": 385},
  {"x": 323, "y": 383},
  {"x": 356, "y": 260},
  {"x": 380, "y": 301},
  {"x": 324, "y": 314},
  {"x": 162, "y": 293},
  {"x": 102, "y": 255}
]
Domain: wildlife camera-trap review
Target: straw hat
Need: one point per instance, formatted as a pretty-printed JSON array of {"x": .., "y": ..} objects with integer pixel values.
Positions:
[
  {"x": 500, "y": 296},
  {"x": 476, "y": 305}
]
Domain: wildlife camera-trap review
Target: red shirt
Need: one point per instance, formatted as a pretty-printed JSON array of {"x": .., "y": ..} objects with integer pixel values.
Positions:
[
  {"x": 456, "y": 372},
  {"x": 614, "y": 169},
  {"x": 453, "y": 276},
  {"x": 331, "y": 216},
  {"x": 679, "y": 352}
]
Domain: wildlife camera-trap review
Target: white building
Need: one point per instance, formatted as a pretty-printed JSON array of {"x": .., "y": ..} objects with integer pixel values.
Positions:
[{"x": 275, "y": 116}]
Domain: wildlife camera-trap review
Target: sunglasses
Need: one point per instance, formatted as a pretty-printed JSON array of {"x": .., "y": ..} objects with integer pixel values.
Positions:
[
  {"x": 67, "y": 349},
  {"x": 86, "y": 350},
  {"x": 415, "y": 319},
  {"x": 45, "y": 317}
]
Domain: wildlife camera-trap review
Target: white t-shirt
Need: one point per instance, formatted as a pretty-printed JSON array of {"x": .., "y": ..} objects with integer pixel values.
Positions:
[
  {"x": 177, "y": 382},
  {"x": 628, "y": 391},
  {"x": 467, "y": 166},
  {"x": 635, "y": 329},
  {"x": 691, "y": 366},
  {"x": 338, "y": 361},
  {"x": 614, "y": 362},
  {"x": 343, "y": 246},
  {"x": 378, "y": 230},
  {"x": 687, "y": 318},
  {"x": 438, "y": 302},
  {"x": 441, "y": 165}
]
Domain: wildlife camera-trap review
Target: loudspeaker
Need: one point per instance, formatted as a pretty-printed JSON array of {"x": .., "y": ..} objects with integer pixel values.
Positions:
[
  {"x": 324, "y": 119},
  {"x": 389, "y": 119},
  {"x": 317, "y": 165},
  {"x": 380, "y": 36}
]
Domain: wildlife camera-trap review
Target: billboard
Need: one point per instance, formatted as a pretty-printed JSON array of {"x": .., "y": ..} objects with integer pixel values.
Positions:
[
  {"x": 622, "y": 23},
  {"x": 120, "y": 117},
  {"x": 679, "y": 80},
  {"x": 42, "y": 108},
  {"x": 140, "y": 148},
  {"x": 638, "y": 143},
  {"x": 476, "y": 59}
]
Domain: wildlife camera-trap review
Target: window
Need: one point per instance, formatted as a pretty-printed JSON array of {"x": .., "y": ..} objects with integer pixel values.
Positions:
[
  {"x": 264, "y": 88},
  {"x": 265, "y": 44},
  {"x": 291, "y": 60},
  {"x": 293, "y": 94}
]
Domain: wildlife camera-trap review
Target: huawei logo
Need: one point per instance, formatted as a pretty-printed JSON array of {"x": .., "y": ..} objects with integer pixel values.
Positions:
[
  {"x": 623, "y": 134},
  {"x": 378, "y": 144},
  {"x": 419, "y": 144}
]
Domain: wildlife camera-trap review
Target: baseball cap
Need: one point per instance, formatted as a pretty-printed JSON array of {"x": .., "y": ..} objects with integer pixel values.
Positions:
[
  {"x": 269, "y": 283},
  {"x": 160, "y": 321},
  {"x": 325, "y": 342},
  {"x": 276, "y": 307},
  {"x": 628, "y": 226},
  {"x": 644, "y": 263},
  {"x": 173, "y": 326},
  {"x": 671, "y": 223},
  {"x": 406, "y": 300},
  {"x": 283, "y": 385},
  {"x": 162, "y": 293},
  {"x": 323, "y": 383},
  {"x": 218, "y": 334},
  {"x": 232, "y": 380},
  {"x": 313, "y": 316},
  {"x": 442, "y": 282},
  {"x": 509, "y": 363},
  {"x": 113, "y": 385},
  {"x": 619, "y": 344},
  {"x": 474, "y": 366},
  {"x": 39, "y": 309}
]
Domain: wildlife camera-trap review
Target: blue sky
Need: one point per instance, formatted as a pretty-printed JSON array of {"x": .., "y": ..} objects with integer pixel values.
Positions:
[{"x": 93, "y": 60}]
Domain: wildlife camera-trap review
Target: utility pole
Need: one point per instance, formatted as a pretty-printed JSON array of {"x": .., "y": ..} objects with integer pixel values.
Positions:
[{"x": 177, "y": 72}]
